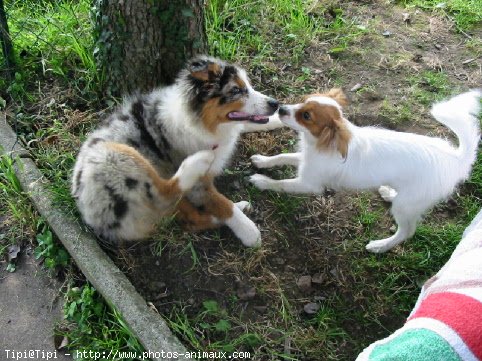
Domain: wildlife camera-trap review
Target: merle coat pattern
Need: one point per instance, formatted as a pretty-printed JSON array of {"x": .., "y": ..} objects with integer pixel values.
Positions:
[{"x": 159, "y": 152}]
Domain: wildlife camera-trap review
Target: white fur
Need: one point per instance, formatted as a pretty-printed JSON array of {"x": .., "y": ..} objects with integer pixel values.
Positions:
[
  {"x": 244, "y": 228},
  {"x": 416, "y": 171},
  {"x": 193, "y": 168}
]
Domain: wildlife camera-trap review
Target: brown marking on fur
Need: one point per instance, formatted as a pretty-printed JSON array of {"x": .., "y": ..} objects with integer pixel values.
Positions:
[
  {"x": 327, "y": 125},
  {"x": 210, "y": 72},
  {"x": 201, "y": 75},
  {"x": 215, "y": 203},
  {"x": 336, "y": 93},
  {"x": 213, "y": 113},
  {"x": 239, "y": 82},
  {"x": 193, "y": 218},
  {"x": 168, "y": 188},
  {"x": 214, "y": 69}
]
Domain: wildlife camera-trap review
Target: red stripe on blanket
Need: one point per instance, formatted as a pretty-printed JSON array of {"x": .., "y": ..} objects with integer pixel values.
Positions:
[{"x": 461, "y": 313}]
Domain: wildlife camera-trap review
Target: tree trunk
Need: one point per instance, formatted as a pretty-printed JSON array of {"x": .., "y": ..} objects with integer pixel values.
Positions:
[
  {"x": 7, "y": 47},
  {"x": 141, "y": 44}
]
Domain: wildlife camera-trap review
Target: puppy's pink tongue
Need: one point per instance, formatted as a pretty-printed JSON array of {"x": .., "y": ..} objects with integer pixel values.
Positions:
[
  {"x": 238, "y": 116},
  {"x": 251, "y": 117}
]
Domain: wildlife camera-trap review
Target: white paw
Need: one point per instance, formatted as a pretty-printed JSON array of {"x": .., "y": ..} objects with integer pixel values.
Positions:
[
  {"x": 380, "y": 246},
  {"x": 251, "y": 236},
  {"x": 244, "y": 206},
  {"x": 244, "y": 228},
  {"x": 260, "y": 161},
  {"x": 194, "y": 167},
  {"x": 260, "y": 181},
  {"x": 387, "y": 193}
]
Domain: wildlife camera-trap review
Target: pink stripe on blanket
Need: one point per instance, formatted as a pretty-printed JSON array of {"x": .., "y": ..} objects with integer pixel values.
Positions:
[{"x": 461, "y": 313}]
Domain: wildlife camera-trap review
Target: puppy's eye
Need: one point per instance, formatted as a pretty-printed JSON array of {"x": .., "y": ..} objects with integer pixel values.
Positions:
[
  {"x": 235, "y": 90},
  {"x": 306, "y": 116}
]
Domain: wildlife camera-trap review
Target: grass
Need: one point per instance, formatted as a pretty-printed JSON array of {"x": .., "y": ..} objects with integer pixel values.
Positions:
[
  {"x": 52, "y": 38},
  {"x": 19, "y": 216},
  {"x": 465, "y": 14},
  {"x": 239, "y": 29},
  {"x": 290, "y": 48},
  {"x": 90, "y": 324}
]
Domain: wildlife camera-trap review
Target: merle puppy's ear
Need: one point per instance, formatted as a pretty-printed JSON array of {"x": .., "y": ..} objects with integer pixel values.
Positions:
[
  {"x": 204, "y": 70},
  {"x": 338, "y": 95}
]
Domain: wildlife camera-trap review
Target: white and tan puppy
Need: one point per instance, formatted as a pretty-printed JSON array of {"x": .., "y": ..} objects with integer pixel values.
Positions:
[{"x": 412, "y": 171}]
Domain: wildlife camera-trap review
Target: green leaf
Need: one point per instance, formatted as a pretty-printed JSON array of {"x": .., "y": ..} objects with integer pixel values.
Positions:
[
  {"x": 72, "y": 309},
  {"x": 38, "y": 252},
  {"x": 210, "y": 306},
  {"x": 62, "y": 257},
  {"x": 222, "y": 326},
  {"x": 98, "y": 309},
  {"x": 205, "y": 325},
  {"x": 49, "y": 262}
]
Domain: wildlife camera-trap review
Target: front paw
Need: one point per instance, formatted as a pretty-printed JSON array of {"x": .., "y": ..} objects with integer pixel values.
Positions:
[
  {"x": 380, "y": 246},
  {"x": 260, "y": 161},
  {"x": 261, "y": 181},
  {"x": 244, "y": 206},
  {"x": 251, "y": 236}
]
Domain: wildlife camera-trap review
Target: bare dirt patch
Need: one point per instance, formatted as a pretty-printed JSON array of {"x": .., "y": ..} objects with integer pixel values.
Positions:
[{"x": 311, "y": 244}]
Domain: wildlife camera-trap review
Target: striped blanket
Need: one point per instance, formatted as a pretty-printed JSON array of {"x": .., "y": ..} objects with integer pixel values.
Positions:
[{"x": 446, "y": 322}]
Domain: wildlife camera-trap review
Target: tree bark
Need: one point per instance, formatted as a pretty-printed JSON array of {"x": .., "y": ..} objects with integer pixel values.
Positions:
[
  {"x": 7, "y": 46},
  {"x": 141, "y": 44}
]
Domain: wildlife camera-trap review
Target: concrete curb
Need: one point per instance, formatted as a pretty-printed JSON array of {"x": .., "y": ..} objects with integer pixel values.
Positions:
[{"x": 148, "y": 326}]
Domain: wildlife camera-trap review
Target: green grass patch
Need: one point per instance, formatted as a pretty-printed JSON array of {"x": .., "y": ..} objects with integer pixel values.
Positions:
[
  {"x": 15, "y": 207},
  {"x": 465, "y": 13},
  {"x": 52, "y": 38},
  {"x": 239, "y": 29},
  {"x": 430, "y": 86},
  {"x": 90, "y": 324}
]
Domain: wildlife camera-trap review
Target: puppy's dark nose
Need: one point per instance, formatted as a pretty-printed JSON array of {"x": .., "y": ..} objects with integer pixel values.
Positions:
[
  {"x": 282, "y": 111},
  {"x": 273, "y": 103}
]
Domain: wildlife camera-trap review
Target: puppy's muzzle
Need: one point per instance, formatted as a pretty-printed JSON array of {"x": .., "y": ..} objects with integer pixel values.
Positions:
[
  {"x": 282, "y": 111},
  {"x": 273, "y": 104}
]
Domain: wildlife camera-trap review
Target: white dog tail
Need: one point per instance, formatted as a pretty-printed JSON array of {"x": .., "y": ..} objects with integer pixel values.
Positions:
[{"x": 460, "y": 115}]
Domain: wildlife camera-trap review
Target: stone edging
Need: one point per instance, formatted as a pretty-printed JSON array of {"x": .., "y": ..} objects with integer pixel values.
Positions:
[{"x": 148, "y": 326}]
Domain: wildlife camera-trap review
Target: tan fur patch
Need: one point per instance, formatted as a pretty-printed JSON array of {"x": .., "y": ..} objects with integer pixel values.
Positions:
[
  {"x": 201, "y": 75},
  {"x": 214, "y": 68},
  {"x": 336, "y": 93},
  {"x": 192, "y": 218},
  {"x": 240, "y": 82},
  {"x": 212, "y": 71},
  {"x": 216, "y": 204},
  {"x": 327, "y": 125},
  {"x": 214, "y": 114},
  {"x": 168, "y": 188}
]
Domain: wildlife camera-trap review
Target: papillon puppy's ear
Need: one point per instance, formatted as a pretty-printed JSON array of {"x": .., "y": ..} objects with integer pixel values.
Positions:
[
  {"x": 338, "y": 95},
  {"x": 205, "y": 70},
  {"x": 334, "y": 133}
]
